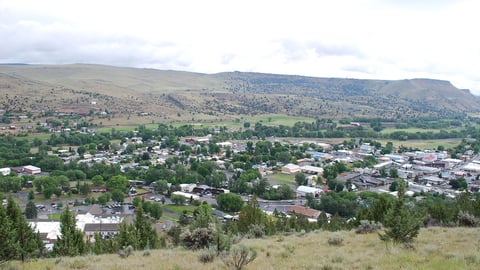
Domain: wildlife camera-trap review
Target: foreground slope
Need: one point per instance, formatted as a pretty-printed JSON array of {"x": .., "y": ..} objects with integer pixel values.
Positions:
[
  {"x": 164, "y": 94},
  {"x": 435, "y": 248}
]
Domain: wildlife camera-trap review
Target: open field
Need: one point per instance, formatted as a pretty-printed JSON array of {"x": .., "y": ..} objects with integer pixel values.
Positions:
[
  {"x": 281, "y": 178},
  {"x": 435, "y": 248},
  {"x": 424, "y": 144}
]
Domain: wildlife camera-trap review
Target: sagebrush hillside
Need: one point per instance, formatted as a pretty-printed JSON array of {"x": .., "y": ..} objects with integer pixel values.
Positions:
[
  {"x": 170, "y": 95},
  {"x": 435, "y": 248}
]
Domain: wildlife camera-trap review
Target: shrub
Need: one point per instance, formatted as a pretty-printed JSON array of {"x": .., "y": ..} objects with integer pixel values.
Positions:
[
  {"x": 368, "y": 227},
  {"x": 335, "y": 241},
  {"x": 206, "y": 255},
  {"x": 467, "y": 219},
  {"x": 125, "y": 252},
  {"x": 197, "y": 239},
  {"x": 129, "y": 250},
  {"x": 256, "y": 231},
  {"x": 239, "y": 257}
]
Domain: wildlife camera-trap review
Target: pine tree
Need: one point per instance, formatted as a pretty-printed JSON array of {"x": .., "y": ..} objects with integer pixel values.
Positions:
[
  {"x": 126, "y": 235},
  {"x": 402, "y": 224},
  {"x": 71, "y": 242},
  {"x": 146, "y": 234},
  {"x": 18, "y": 239},
  {"x": 31, "y": 210},
  {"x": 7, "y": 235}
]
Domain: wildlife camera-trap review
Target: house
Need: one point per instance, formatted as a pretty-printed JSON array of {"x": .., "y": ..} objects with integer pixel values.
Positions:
[
  {"x": 304, "y": 211},
  {"x": 291, "y": 169},
  {"x": 29, "y": 169},
  {"x": 302, "y": 191}
]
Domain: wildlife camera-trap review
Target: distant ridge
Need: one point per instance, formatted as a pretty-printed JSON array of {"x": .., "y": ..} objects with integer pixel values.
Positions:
[
  {"x": 168, "y": 94},
  {"x": 14, "y": 64}
]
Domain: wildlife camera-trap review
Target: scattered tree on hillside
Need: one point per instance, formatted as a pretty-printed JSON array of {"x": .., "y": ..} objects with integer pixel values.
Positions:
[
  {"x": 402, "y": 224},
  {"x": 70, "y": 243}
]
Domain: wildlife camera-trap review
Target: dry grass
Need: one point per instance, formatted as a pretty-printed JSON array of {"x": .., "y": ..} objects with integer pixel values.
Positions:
[{"x": 435, "y": 248}]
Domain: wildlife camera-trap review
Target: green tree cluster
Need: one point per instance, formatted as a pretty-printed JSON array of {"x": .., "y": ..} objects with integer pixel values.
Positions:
[{"x": 18, "y": 240}]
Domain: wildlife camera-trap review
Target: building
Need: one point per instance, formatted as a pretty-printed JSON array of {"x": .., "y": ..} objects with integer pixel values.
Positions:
[
  {"x": 309, "y": 213},
  {"x": 49, "y": 232},
  {"x": 312, "y": 170},
  {"x": 106, "y": 230},
  {"x": 187, "y": 196},
  {"x": 291, "y": 169},
  {"x": 29, "y": 169},
  {"x": 302, "y": 191}
]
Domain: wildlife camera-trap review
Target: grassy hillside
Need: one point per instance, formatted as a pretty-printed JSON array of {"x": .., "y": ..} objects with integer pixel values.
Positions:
[
  {"x": 168, "y": 96},
  {"x": 435, "y": 248}
]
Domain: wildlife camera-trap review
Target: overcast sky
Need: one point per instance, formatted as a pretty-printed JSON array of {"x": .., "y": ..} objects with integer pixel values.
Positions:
[{"x": 371, "y": 39}]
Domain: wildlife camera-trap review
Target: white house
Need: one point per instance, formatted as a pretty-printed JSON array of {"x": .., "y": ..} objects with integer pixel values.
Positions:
[{"x": 304, "y": 190}]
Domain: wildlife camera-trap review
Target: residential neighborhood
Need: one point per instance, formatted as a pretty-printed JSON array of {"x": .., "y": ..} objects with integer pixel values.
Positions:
[{"x": 300, "y": 184}]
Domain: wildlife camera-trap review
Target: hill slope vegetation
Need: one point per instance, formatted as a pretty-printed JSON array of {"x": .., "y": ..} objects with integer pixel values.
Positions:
[
  {"x": 435, "y": 248},
  {"x": 84, "y": 89}
]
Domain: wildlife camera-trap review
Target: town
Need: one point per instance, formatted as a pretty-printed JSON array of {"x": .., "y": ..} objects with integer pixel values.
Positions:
[{"x": 104, "y": 180}]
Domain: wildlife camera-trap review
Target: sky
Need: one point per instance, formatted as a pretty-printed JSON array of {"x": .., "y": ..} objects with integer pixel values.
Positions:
[{"x": 364, "y": 39}]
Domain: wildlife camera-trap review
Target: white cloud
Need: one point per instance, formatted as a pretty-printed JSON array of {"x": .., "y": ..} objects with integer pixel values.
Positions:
[{"x": 360, "y": 39}]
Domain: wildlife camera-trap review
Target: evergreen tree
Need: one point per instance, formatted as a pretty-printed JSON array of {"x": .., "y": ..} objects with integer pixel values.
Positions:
[
  {"x": 146, "y": 234},
  {"x": 19, "y": 241},
  {"x": 251, "y": 214},
  {"x": 126, "y": 235},
  {"x": 402, "y": 224},
  {"x": 31, "y": 210},
  {"x": 7, "y": 236},
  {"x": 71, "y": 242}
]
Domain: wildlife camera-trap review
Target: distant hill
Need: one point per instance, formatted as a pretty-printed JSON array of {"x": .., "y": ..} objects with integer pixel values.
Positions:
[{"x": 83, "y": 88}]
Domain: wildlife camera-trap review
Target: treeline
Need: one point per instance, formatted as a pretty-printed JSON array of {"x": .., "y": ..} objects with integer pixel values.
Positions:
[{"x": 434, "y": 209}]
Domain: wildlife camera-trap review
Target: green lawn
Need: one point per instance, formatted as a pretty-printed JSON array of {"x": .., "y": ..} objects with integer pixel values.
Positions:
[
  {"x": 178, "y": 209},
  {"x": 55, "y": 216},
  {"x": 281, "y": 178}
]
